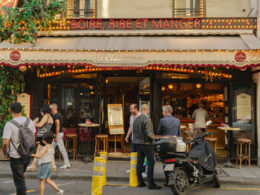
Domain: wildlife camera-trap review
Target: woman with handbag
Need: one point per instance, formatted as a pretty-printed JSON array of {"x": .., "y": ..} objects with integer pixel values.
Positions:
[{"x": 43, "y": 126}]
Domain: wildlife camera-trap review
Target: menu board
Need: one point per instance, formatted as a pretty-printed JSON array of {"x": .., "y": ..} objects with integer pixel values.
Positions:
[
  {"x": 243, "y": 106},
  {"x": 115, "y": 119},
  {"x": 25, "y": 100}
]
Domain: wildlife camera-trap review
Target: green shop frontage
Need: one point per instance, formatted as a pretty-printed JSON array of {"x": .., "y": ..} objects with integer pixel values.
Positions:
[{"x": 84, "y": 70}]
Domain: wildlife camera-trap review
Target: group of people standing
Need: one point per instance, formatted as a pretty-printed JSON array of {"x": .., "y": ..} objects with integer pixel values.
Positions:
[
  {"x": 49, "y": 134},
  {"x": 142, "y": 131}
]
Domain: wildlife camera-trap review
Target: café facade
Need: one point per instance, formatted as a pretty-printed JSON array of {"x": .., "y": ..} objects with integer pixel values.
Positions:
[{"x": 85, "y": 64}]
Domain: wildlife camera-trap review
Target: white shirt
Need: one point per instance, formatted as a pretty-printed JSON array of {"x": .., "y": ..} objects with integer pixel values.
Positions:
[
  {"x": 132, "y": 119},
  {"x": 12, "y": 132},
  {"x": 200, "y": 116}
]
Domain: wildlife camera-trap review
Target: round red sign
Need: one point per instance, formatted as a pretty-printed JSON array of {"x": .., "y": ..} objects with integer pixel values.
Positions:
[
  {"x": 15, "y": 56},
  {"x": 240, "y": 56}
]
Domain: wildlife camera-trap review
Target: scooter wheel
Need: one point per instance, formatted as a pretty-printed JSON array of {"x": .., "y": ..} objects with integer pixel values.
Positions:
[
  {"x": 216, "y": 182},
  {"x": 181, "y": 182}
]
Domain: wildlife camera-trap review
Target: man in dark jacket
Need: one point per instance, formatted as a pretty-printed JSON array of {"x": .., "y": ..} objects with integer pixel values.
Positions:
[
  {"x": 143, "y": 137},
  {"x": 169, "y": 125}
]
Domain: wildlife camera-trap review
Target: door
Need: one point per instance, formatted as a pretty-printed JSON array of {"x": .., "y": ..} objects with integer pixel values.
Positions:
[{"x": 243, "y": 113}]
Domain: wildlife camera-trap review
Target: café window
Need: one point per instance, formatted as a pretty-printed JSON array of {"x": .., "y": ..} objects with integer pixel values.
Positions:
[
  {"x": 188, "y": 8},
  {"x": 81, "y": 8}
]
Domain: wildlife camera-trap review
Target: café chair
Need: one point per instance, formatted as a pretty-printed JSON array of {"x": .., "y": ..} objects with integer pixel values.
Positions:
[
  {"x": 101, "y": 138},
  {"x": 243, "y": 155}
]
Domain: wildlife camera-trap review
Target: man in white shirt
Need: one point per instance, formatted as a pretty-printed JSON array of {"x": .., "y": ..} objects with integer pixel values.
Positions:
[
  {"x": 134, "y": 114},
  {"x": 200, "y": 115},
  {"x": 11, "y": 132}
]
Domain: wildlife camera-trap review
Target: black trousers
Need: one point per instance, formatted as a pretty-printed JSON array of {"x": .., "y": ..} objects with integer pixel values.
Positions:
[
  {"x": 18, "y": 167},
  {"x": 145, "y": 150}
]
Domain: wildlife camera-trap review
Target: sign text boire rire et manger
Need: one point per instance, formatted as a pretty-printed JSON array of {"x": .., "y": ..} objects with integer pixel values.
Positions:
[{"x": 135, "y": 24}]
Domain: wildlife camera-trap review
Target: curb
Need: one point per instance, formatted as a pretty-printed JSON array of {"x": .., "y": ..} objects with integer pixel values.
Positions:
[{"x": 223, "y": 179}]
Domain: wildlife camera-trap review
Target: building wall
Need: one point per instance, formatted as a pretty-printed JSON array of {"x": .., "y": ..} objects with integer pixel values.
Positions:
[
  {"x": 160, "y": 9},
  {"x": 134, "y": 8},
  {"x": 228, "y": 8}
]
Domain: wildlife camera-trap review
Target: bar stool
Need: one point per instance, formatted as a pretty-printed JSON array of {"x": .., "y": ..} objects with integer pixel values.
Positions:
[
  {"x": 246, "y": 155},
  {"x": 213, "y": 142},
  {"x": 71, "y": 138},
  {"x": 101, "y": 138}
]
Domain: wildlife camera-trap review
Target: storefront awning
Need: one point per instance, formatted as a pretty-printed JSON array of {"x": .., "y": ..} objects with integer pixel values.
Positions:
[{"x": 136, "y": 51}]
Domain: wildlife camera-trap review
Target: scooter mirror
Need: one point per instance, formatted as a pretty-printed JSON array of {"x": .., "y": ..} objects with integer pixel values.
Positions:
[{"x": 208, "y": 123}]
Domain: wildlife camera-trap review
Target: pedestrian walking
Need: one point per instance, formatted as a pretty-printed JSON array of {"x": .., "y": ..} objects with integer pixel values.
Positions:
[
  {"x": 169, "y": 125},
  {"x": 46, "y": 156},
  {"x": 58, "y": 135},
  {"x": 143, "y": 137},
  {"x": 11, "y": 145},
  {"x": 43, "y": 126}
]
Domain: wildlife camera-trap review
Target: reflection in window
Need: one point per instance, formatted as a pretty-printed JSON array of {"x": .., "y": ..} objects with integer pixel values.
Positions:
[
  {"x": 81, "y": 8},
  {"x": 188, "y": 8}
]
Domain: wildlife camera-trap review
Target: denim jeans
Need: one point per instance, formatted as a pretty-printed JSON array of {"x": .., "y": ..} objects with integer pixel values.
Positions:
[
  {"x": 18, "y": 167},
  {"x": 145, "y": 150}
]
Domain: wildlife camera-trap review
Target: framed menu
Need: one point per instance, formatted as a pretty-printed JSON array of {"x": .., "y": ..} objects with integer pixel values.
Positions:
[
  {"x": 25, "y": 100},
  {"x": 243, "y": 101},
  {"x": 115, "y": 119}
]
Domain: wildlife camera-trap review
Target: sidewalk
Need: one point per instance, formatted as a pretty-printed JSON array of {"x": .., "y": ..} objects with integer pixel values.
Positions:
[{"x": 116, "y": 171}]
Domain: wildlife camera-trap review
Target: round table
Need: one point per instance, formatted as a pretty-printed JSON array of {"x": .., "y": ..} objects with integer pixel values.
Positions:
[
  {"x": 90, "y": 125},
  {"x": 228, "y": 135}
]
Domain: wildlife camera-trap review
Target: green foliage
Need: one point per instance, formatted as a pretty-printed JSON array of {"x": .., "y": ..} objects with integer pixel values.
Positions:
[
  {"x": 11, "y": 84},
  {"x": 23, "y": 24}
]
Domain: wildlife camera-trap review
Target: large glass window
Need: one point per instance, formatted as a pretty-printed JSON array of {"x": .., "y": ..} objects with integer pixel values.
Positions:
[{"x": 188, "y": 8}]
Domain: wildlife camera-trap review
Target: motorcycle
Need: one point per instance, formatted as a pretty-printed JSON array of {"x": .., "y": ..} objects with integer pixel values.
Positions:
[{"x": 186, "y": 169}]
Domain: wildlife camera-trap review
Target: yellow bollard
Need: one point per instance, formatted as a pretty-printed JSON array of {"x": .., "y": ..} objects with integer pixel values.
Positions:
[
  {"x": 104, "y": 156},
  {"x": 97, "y": 177},
  {"x": 133, "y": 176}
]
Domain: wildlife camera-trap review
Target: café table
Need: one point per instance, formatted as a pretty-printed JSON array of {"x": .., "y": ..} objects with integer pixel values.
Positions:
[
  {"x": 88, "y": 126},
  {"x": 228, "y": 134}
]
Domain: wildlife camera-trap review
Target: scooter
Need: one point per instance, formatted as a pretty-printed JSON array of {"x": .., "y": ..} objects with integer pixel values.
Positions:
[{"x": 186, "y": 169}]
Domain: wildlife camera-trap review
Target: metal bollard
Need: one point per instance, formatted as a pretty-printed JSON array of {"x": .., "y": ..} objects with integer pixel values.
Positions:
[
  {"x": 104, "y": 156},
  {"x": 133, "y": 176},
  {"x": 97, "y": 177}
]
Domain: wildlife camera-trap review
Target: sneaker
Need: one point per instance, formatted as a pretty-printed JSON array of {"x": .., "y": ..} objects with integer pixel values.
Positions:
[
  {"x": 65, "y": 167},
  {"x": 60, "y": 191},
  {"x": 144, "y": 175}
]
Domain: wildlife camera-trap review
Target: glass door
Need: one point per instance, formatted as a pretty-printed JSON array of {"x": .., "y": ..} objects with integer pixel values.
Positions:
[{"x": 243, "y": 114}]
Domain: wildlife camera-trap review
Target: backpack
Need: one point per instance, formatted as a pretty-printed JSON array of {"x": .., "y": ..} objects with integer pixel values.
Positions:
[{"x": 26, "y": 137}]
